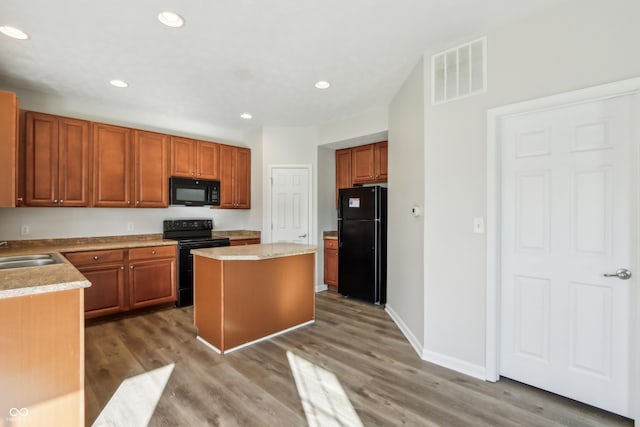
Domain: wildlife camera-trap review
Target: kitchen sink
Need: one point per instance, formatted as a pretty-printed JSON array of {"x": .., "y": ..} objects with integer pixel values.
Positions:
[{"x": 21, "y": 261}]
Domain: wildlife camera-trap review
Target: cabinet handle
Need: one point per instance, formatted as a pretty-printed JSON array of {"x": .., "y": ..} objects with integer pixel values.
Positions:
[
  {"x": 20, "y": 199},
  {"x": 61, "y": 201},
  {"x": 153, "y": 252},
  {"x": 121, "y": 268},
  {"x": 131, "y": 267},
  {"x": 55, "y": 201},
  {"x": 199, "y": 173},
  {"x": 128, "y": 202},
  {"x": 137, "y": 202},
  {"x": 95, "y": 257},
  {"x": 193, "y": 174}
]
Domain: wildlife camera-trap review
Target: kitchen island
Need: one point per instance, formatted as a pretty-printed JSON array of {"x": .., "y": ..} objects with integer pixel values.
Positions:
[{"x": 245, "y": 294}]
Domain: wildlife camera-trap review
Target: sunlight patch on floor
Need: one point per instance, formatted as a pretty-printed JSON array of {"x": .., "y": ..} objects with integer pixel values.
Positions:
[
  {"x": 323, "y": 399},
  {"x": 134, "y": 402}
]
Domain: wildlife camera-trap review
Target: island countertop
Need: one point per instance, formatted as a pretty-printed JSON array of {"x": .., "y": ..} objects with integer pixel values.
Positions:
[{"x": 255, "y": 252}]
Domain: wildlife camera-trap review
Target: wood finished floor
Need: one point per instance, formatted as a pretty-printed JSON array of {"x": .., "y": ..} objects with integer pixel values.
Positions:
[{"x": 382, "y": 376}]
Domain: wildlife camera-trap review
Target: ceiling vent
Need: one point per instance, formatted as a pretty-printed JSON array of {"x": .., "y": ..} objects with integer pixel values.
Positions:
[{"x": 459, "y": 72}]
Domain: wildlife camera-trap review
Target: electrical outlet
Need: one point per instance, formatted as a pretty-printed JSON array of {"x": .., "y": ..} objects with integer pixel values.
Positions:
[
  {"x": 130, "y": 226},
  {"x": 24, "y": 230}
]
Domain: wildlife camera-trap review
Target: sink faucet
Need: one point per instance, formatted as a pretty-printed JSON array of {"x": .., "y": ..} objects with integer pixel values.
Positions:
[{"x": 5, "y": 244}]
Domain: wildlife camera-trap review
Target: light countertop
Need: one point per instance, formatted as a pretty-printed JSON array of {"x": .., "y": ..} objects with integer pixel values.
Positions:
[
  {"x": 255, "y": 252},
  {"x": 330, "y": 235},
  {"x": 236, "y": 234}
]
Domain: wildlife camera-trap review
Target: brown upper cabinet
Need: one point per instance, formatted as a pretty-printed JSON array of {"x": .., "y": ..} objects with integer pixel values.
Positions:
[
  {"x": 150, "y": 171},
  {"x": 130, "y": 163},
  {"x": 111, "y": 166},
  {"x": 194, "y": 159},
  {"x": 56, "y": 161},
  {"x": 380, "y": 161},
  {"x": 364, "y": 164},
  {"x": 369, "y": 163},
  {"x": 70, "y": 162},
  {"x": 9, "y": 149},
  {"x": 343, "y": 170},
  {"x": 235, "y": 177}
]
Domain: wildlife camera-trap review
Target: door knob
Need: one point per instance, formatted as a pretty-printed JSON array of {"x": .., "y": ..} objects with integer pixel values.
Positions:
[
  {"x": 303, "y": 236},
  {"x": 621, "y": 273}
]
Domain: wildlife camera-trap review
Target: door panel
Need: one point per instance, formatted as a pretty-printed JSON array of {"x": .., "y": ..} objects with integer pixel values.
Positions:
[
  {"x": 74, "y": 162},
  {"x": 290, "y": 205},
  {"x": 41, "y": 174},
  {"x": 208, "y": 160},
  {"x": 151, "y": 159},
  {"x": 566, "y": 187},
  {"x": 111, "y": 166}
]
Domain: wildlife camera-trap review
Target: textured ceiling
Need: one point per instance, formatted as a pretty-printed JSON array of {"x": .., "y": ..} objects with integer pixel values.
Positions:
[{"x": 232, "y": 56}]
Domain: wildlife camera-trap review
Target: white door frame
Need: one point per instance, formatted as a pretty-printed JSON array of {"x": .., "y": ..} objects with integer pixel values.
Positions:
[
  {"x": 269, "y": 213},
  {"x": 494, "y": 116}
]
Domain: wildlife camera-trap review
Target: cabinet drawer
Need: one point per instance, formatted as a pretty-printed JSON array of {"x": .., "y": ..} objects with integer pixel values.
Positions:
[
  {"x": 330, "y": 244},
  {"x": 152, "y": 252},
  {"x": 95, "y": 257}
]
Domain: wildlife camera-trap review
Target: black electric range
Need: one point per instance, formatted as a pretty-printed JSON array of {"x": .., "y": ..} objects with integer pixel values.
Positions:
[{"x": 190, "y": 234}]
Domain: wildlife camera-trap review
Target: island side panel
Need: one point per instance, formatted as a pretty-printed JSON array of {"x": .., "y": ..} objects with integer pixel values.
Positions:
[
  {"x": 207, "y": 300},
  {"x": 267, "y": 296},
  {"x": 42, "y": 359}
]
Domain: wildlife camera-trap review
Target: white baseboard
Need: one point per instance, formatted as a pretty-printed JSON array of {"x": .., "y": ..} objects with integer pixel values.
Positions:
[
  {"x": 433, "y": 357},
  {"x": 454, "y": 364},
  {"x": 320, "y": 288},
  {"x": 415, "y": 343}
]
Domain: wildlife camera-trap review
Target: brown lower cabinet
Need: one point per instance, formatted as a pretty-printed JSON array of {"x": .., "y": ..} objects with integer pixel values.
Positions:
[
  {"x": 150, "y": 278},
  {"x": 331, "y": 263}
]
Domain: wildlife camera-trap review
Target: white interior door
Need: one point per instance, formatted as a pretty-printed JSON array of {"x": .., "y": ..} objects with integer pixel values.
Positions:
[
  {"x": 566, "y": 203},
  {"x": 290, "y": 196}
]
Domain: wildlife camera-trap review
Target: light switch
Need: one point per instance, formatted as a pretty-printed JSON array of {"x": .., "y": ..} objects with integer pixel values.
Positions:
[{"x": 478, "y": 225}]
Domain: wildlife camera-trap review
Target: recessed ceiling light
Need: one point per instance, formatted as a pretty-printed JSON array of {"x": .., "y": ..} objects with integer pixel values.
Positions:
[
  {"x": 13, "y": 32},
  {"x": 246, "y": 116},
  {"x": 118, "y": 83},
  {"x": 171, "y": 19},
  {"x": 323, "y": 84}
]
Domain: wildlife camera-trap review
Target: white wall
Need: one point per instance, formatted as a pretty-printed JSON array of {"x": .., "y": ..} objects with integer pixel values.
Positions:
[
  {"x": 327, "y": 214},
  {"x": 370, "y": 122},
  {"x": 575, "y": 45},
  {"x": 45, "y": 223},
  {"x": 122, "y": 115},
  {"x": 405, "y": 287},
  {"x": 289, "y": 146}
]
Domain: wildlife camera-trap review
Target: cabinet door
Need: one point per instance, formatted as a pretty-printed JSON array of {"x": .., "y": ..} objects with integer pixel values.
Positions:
[
  {"x": 227, "y": 176},
  {"x": 380, "y": 161},
  {"x": 41, "y": 166},
  {"x": 151, "y": 166},
  {"x": 106, "y": 294},
  {"x": 183, "y": 157},
  {"x": 243, "y": 178},
  {"x": 208, "y": 160},
  {"x": 73, "y": 161},
  {"x": 8, "y": 149},
  {"x": 343, "y": 170},
  {"x": 362, "y": 164},
  {"x": 331, "y": 267},
  {"x": 152, "y": 282},
  {"x": 111, "y": 166}
]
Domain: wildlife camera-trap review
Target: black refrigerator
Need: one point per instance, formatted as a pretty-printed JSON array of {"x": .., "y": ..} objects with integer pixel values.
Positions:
[{"x": 362, "y": 243}]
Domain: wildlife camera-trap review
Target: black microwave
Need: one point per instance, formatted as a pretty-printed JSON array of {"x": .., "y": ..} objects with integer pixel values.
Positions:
[{"x": 194, "y": 192}]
